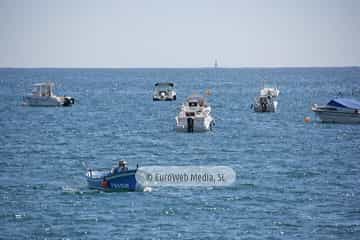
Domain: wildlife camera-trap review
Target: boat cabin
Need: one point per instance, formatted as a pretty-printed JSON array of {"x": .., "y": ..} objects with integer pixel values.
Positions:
[
  {"x": 264, "y": 99},
  {"x": 196, "y": 101},
  {"x": 43, "y": 89},
  {"x": 268, "y": 91}
]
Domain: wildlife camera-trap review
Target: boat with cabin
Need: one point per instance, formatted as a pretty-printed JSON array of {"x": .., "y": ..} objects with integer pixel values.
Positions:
[
  {"x": 43, "y": 95},
  {"x": 338, "y": 110},
  {"x": 164, "y": 91},
  {"x": 267, "y": 100},
  {"x": 195, "y": 115}
]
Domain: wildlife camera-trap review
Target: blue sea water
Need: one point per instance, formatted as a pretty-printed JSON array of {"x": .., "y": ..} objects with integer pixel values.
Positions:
[{"x": 295, "y": 180}]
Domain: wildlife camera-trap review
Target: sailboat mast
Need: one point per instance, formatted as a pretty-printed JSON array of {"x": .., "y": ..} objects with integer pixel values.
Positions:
[{"x": 216, "y": 64}]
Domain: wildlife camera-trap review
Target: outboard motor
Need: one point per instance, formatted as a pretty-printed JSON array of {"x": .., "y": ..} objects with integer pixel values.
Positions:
[
  {"x": 190, "y": 124},
  {"x": 68, "y": 101}
]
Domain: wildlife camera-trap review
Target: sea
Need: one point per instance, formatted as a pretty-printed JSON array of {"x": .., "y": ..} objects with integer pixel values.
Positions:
[{"x": 294, "y": 179}]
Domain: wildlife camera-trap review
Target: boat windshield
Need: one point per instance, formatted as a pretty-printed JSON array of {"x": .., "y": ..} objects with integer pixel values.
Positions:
[
  {"x": 98, "y": 173},
  {"x": 43, "y": 89},
  {"x": 194, "y": 101}
]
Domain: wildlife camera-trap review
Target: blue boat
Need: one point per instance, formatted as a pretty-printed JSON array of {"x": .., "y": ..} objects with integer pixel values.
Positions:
[{"x": 117, "y": 179}]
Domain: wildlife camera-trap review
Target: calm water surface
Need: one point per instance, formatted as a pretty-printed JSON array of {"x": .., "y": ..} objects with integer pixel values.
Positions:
[{"x": 295, "y": 180}]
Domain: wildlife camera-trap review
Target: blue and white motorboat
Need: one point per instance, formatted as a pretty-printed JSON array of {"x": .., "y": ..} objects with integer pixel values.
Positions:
[
  {"x": 117, "y": 179},
  {"x": 339, "y": 110}
]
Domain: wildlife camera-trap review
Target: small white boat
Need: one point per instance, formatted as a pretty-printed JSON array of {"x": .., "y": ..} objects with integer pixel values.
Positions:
[
  {"x": 194, "y": 115},
  {"x": 164, "y": 91},
  {"x": 339, "y": 110},
  {"x": 43, "y": 95},
  {"x": 267, "y": 100}
]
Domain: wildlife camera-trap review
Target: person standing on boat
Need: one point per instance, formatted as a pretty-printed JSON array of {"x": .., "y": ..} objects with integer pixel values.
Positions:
[{"x": 122, "y": 167}]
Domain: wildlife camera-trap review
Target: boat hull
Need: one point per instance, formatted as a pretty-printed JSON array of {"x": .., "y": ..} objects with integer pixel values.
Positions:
[
  {"x": 47, "y": 101},
  {"x": 191, "y": 124},
  {"x": 336, "y": 116},
  {"x": 270, "y": 107},
  {"x": 167, "y": 96},
  {"x": 103, "y": 180}
]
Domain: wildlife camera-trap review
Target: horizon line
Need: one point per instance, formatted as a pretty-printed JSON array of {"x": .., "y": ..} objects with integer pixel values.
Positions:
[{"x": 208, "y": 67}]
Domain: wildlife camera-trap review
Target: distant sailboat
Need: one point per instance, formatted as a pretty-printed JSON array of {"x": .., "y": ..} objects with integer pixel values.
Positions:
[{"x": 216, "y": 65}]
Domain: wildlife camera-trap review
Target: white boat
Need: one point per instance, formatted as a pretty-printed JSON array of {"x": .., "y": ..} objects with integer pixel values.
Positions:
[
  {"x": 267, "y": 100},
  {"x": 194, "y": 115},
  {"x": 164, "y": 91},
  {"x": 43, "y": 95},
  {"x": 339, "y": 110}
]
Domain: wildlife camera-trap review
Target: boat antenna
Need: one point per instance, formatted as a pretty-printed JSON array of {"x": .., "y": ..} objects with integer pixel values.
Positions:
[{"x": 85, "y": 165}]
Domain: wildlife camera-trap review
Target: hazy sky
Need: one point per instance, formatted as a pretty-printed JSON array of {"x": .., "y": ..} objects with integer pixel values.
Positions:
[{"x": 184, "y": 33}]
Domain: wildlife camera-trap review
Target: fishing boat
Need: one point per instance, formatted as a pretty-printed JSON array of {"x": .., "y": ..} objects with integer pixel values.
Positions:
[
  {"x": 43, "y": 95},
  {"x": 195, "y": 115},
  {"x": 164, "y": 91},
  {"x": 339, "y": 110},
  {"x": 119, "y": 178},
  {"x": 267, "y": 100}
]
